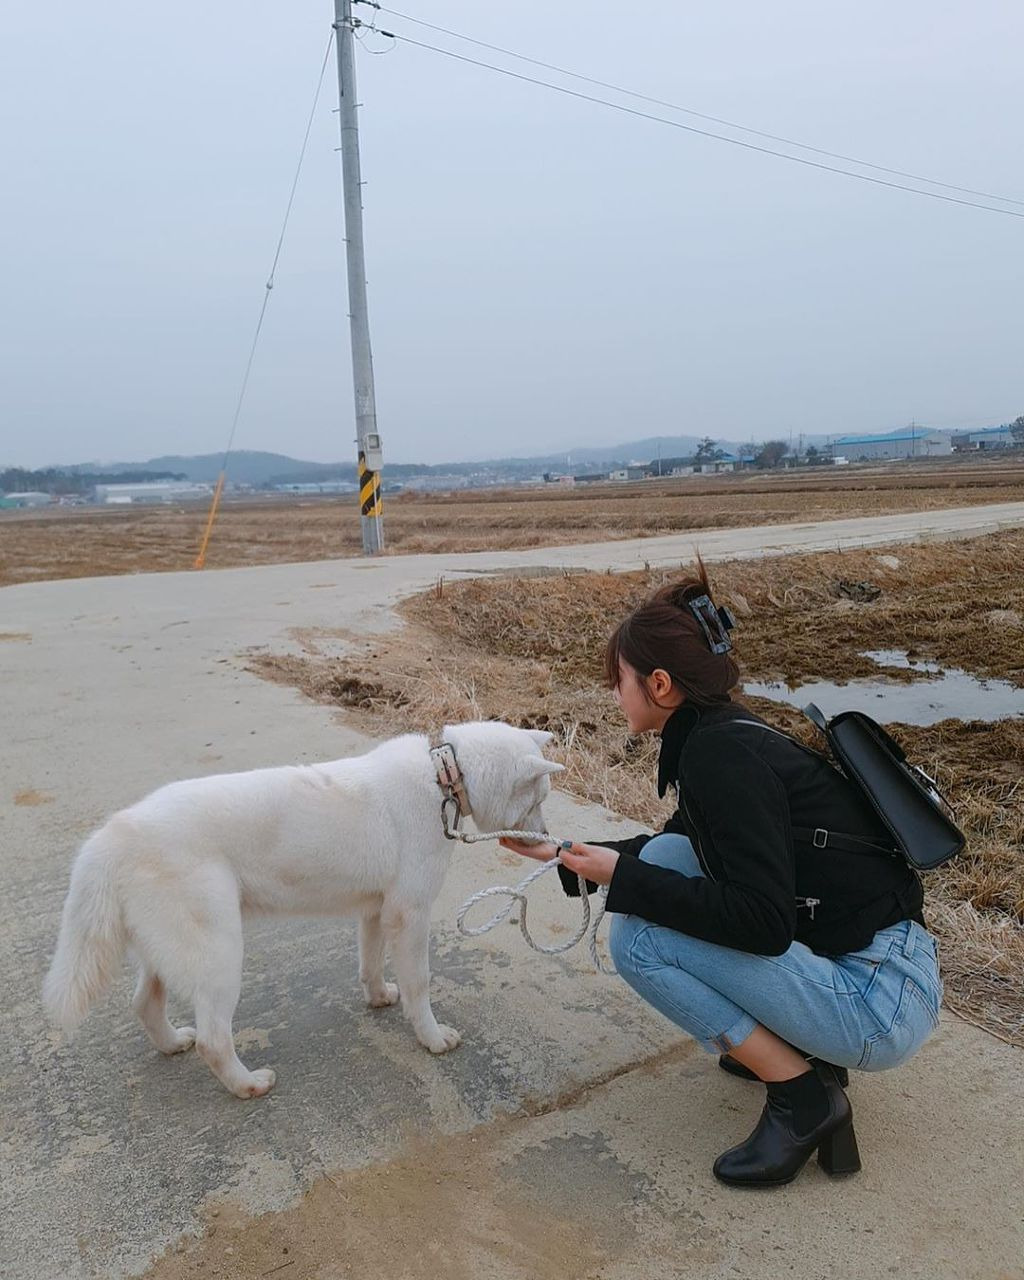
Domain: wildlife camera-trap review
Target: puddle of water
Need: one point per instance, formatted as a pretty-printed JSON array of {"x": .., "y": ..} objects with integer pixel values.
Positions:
[
  {"x": 949, "y": 694},
  {"x": 899, "y": 658}
]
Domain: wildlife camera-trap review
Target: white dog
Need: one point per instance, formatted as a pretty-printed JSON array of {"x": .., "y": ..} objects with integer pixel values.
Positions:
[{"x": 171, "y": 878}]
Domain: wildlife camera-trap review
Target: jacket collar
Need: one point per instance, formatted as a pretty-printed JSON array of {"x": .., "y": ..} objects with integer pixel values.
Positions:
[{"x": 677, "y": 729}]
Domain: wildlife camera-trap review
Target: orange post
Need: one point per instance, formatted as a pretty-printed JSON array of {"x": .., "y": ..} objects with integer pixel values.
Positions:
[{"x": 200, "y": 559}]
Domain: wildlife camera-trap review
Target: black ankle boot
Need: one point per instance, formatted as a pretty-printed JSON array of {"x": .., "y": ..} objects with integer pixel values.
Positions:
[
  {"x": 810, "y": 1112},
  {"x": 734, "y": 1068}
]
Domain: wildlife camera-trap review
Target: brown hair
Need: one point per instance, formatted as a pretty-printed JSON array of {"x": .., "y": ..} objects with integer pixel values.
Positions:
[{"x": 664, "y": 633}]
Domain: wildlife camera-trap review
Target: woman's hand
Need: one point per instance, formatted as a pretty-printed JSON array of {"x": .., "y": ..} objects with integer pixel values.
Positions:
[
  {"x": 543, "y": 852},
  {"x": 591, "y": 861}
]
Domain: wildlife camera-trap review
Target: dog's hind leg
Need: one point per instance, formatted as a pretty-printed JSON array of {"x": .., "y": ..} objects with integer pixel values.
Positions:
[
  {"x": 150, "y": 1003},
  {"x": 408, "y": 931},
  {"x": 379, "y": 994},
  {"x": 215, "y": 1042},
  {"x": 217, "y": 981},
  {"x": 194, "y": 943}
]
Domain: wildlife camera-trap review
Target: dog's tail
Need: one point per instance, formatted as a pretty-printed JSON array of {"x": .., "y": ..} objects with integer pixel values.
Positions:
[{"x": 92, "y": 936}]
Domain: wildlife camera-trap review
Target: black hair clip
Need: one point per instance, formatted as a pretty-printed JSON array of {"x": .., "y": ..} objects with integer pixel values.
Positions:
[{"x": 715, "y": 622}]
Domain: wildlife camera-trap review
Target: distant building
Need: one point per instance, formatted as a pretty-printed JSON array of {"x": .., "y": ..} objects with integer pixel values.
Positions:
[
  {"x": 913, "y": 442},
  {"x": 989, "y": 438},
  {"x": 120, "y": 495},
  {"x": 25, "y": 499},
  {"x": 318, "y": 486},
  {"x": 591, "y": 477},
  {"x": 725, "y": 462},
  {"x": 437, "y": 483},
  {"x": 628, "y": 473}
]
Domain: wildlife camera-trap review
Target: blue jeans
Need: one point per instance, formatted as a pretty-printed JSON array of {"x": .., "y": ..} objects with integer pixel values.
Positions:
[{"x": 871, "y": 1009}]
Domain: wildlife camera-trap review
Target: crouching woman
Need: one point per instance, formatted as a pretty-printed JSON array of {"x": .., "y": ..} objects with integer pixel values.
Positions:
[{"x": 772, "y": 919}]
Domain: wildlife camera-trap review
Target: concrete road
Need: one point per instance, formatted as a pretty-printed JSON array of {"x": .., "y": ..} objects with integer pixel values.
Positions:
[{"x": 110, "y": 1153}]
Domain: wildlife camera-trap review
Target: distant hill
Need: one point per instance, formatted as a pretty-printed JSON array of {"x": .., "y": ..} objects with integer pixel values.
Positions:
[
  {"x": 258, "y": 468},
  {"x": 247, "y": 466},
  {"x": 643, "y": 450},
  {"x": 253, "y": 467}
]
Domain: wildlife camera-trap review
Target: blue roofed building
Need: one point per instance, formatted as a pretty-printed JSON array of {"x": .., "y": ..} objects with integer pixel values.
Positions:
[
  {"x": 988, "y": 438},
  {"x": 911, "y": 442}
]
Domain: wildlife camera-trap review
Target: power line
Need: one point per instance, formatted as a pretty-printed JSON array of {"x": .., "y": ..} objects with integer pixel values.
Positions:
[
  {"x": 689, "y": 111},
  {"x": 703, "y": 133},
  {"x": 201, "y": 557},
  {"x": 280, "y": 244}
]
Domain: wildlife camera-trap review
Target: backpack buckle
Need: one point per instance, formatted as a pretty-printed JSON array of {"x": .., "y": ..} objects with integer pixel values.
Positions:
[{"x": 820, "y": 838}]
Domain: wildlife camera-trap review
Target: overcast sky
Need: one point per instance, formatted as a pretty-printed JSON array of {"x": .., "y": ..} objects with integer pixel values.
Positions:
[{"x": 543, "y": 272}]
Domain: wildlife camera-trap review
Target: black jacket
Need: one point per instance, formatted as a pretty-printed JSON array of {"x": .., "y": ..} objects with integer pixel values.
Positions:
[{"x": 743, "y": 789}]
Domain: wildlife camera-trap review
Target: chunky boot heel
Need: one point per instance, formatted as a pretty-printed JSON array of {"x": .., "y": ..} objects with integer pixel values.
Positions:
[{"x": 838, "y": 1154}]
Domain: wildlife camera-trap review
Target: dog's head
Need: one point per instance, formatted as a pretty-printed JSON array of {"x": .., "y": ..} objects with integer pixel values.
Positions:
[{"x": 506, "y": 775}]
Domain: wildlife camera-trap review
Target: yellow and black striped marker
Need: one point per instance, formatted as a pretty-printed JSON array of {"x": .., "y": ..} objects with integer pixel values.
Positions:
[{"x": 370, "y": 503}]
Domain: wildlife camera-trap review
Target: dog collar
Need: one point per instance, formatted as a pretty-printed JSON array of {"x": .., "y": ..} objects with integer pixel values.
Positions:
[{"x": 452, "y": 784}]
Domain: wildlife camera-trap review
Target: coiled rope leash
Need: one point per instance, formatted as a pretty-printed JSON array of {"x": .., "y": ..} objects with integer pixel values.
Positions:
[
  {"x": 454, "y": 805},
  {"x": 589, "y": 925}
]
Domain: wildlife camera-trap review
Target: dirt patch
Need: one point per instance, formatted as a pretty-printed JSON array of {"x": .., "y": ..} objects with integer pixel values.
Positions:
[
  {"x": 459, "y": 1207},
  {"x": 80, "y": 542},
  {"x": 29, "y": 799},
  {"x": 15, "y": 637},
  {"x": 528, "y": 650}
]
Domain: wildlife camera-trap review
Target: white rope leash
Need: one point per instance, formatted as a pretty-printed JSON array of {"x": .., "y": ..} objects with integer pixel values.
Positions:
[{"x": 517, "y": 893}]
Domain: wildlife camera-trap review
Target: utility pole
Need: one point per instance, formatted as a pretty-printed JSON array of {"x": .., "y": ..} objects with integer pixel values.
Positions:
[{"x": 368, "y": 440}]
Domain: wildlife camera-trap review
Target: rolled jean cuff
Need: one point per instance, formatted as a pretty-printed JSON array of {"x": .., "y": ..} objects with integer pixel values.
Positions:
[{"x": 732, "y": 1038}]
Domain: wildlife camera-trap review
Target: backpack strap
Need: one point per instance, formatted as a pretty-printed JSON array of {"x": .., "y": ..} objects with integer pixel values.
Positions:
[
  {"x": 822, "y": 838},
  {"x": 779, "y": 733},
  {"x": 816, "y": 716}
]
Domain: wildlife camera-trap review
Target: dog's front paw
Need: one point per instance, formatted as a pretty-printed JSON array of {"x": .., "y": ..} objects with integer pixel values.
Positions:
[
  {"x": 444, "y": 1040},
  {"x": 385, "y": 996}
]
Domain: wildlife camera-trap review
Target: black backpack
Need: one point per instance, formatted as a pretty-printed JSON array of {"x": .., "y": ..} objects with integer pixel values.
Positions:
[{"x": 908, "y": 801}]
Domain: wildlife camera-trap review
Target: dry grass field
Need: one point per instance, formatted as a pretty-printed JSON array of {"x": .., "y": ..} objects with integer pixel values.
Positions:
[
  {"x": 77, "y": 542},
  {"x": 528, "y": 650}
]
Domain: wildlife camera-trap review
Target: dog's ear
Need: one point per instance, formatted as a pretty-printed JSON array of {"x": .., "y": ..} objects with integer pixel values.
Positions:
[
  {"x": 541, "y": 736},
  {"x": 536, "y": 766}
]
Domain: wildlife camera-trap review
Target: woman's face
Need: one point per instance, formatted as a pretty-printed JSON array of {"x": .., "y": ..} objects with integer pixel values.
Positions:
[{"x": 646, "y": 701}]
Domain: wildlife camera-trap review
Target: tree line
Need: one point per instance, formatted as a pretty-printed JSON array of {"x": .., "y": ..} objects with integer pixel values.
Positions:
[
  {"x": 60, "y": 483},
  {"x": 765, "y": 456}
]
